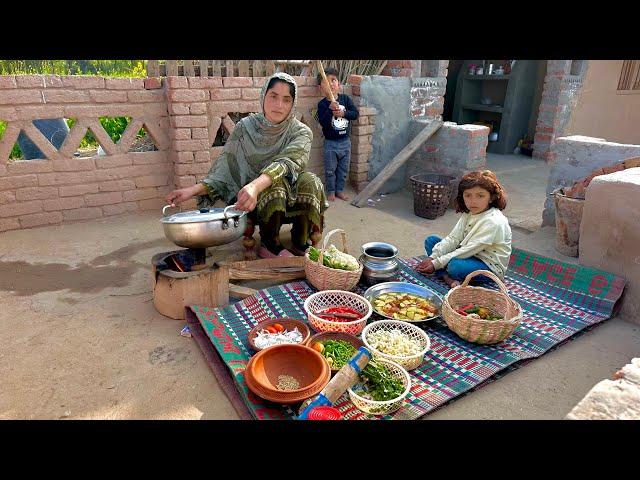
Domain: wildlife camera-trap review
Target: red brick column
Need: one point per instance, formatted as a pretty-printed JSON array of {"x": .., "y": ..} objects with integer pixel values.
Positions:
[
  {"x": 558, "y": 99},
  {"x": 362, "y": 131},
  {"x": 187, "y": 99}
]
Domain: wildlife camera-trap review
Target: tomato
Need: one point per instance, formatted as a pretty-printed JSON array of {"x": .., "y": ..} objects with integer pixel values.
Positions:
[
  {"x": 271, "y": 329},
  {"x": 278, "y": 327},
  {"x": 318, "y": 347}
]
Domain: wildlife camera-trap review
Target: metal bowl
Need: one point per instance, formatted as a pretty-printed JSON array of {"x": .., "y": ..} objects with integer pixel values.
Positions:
[
  {"x": 404, "y": 287},
  {"x": 207, "y": 227}
]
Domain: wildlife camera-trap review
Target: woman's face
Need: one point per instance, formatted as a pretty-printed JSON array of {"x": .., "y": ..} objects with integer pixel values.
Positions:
[
  {"x": 476, "y": 199},
  {"x": 278, "y": 102}
]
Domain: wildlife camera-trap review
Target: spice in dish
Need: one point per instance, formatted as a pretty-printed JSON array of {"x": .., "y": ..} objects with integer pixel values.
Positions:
[{"x": 287, "y": 382}]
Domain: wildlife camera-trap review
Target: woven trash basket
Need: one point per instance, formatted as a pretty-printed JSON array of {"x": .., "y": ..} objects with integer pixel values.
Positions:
[
  {"x": 326, "y": 278},
  {"x": 431, "y": 194},
  {"x": 478, "y": 330}
]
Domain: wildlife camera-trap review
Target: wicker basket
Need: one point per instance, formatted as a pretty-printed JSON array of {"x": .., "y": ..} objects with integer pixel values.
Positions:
[
  {"x": 335, "y": 298},
  {"x": 478, "y": 330},
  {"x": 326, "y": 278},
  {"x": 431, "y": 194},
  {"x": 373, "y": 407},
  {"x": 411, "y": 331}
]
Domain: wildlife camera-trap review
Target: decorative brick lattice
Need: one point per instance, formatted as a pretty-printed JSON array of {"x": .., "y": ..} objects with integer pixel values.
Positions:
[{"x": 61, "y": 187}]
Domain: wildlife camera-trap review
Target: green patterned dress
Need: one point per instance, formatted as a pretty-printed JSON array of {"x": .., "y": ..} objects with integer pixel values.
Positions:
[{"x": 281, "y": 151}]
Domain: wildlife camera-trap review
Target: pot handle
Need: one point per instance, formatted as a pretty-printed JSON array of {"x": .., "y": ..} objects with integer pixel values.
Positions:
[
  {"x": 164, "y": 209},
  {"x": 230, "y": 207}
]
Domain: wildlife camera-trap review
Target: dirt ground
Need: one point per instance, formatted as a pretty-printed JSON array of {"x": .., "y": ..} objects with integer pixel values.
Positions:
[{"x": 81, "y": 339}]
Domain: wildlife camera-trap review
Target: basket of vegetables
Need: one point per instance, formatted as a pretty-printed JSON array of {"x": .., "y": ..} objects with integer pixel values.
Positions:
[
  {"x": 336, "y": 347},
  {"x": 337, "y": 311},
  {"x": 397, "y": 341},
  {"x": 382, "y": 389},
  {"x": 481, "y": 315},
  {"x": 331, "y": 269}
]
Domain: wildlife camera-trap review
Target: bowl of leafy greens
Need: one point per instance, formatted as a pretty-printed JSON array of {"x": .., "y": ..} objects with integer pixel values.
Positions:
[
  {"x": 336, "y": 347},
  {"x": 382, "y": 389}
]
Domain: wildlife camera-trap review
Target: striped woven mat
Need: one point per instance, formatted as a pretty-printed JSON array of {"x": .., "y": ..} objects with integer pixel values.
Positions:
[{"x": 558, "y": 299}]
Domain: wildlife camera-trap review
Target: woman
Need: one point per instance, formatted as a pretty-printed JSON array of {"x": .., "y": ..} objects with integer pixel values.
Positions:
[{"x": 262, "y": 170}]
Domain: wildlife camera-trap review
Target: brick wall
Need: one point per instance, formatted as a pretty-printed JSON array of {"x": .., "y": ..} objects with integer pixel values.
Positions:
[
  {"x": 62, "y": 187},
  {"x": 427, "y": 97},
  {"x": 453, "y": 150},
  {"x": 575, "y": 157},
  {"x": 398, "y": 68},
  {"x": 559, "y": 96},
  {"x": 362, "y": 131},
  {"x": 181, "y": 114}
]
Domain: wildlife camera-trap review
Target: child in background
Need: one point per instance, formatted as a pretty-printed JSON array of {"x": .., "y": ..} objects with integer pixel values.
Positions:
[
  {"x": 334, "y": 118},
  {"x": 481, "y": 240}
]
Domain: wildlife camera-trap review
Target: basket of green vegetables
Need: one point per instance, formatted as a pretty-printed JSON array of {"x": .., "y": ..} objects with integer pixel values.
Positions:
[
  {"x": 382, "y": 389},
  {"x": 336, "y": 347},
  {"x": 331, "y": 269}
]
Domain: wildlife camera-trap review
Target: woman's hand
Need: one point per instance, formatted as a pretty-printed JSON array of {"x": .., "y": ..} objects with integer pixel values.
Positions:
[
  {"x": 426, "y": 266},
  {"x": 178, "y": 196},
  {"x": 247, "y": 198},
  {"x": 182, "y": 195}
]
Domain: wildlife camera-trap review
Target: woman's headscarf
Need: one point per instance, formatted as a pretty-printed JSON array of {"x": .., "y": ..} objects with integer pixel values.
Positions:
[{"x": 256, "y": 143}]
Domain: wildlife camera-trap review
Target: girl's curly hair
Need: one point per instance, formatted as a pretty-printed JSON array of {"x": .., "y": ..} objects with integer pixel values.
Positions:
[{"x": 484, "y": 179}]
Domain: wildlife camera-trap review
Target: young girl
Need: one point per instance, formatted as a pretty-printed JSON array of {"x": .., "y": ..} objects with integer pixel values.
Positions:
[{"x": 481, "y": 240}]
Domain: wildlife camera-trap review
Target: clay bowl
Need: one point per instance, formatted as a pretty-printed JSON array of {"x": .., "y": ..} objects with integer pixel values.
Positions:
[
  {"x": 288, "y": 323},
  {"x": 345, "y": 337},
  {"x": 304, "y": 364}
]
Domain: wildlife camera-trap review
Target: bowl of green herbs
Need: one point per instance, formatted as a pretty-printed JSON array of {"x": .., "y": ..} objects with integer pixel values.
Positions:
[
  {"x": 336, "y": 347},
  {"x": 382, "y": 389}
]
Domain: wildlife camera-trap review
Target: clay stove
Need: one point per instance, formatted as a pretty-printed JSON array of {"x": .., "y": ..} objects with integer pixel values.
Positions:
[{"x": 185, "y": 277}]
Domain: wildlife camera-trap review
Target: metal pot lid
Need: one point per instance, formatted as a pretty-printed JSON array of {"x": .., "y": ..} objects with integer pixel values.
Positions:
[{"x": 202, "y": 215}]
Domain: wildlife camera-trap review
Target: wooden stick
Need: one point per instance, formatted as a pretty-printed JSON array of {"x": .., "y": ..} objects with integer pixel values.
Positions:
[
  {"x": 235, "y": 274},
  {"x": 239, "y": 291},
  {"x": 324, "y": 79},
  {"x": 397, "y": 162},
  {"x": 382, "y": 67}
]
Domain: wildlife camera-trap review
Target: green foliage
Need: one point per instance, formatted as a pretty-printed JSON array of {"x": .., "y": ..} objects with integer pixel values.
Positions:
[
  {"x": 114, "y": 126},
  {"x": 15, "y": 152},
  {"x": 105, "y": 68}
]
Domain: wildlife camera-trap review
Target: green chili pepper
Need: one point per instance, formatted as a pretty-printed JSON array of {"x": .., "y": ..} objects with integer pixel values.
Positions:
[
  {"x": 379, "y": 383},
  {"x": 339, "y": 351}
]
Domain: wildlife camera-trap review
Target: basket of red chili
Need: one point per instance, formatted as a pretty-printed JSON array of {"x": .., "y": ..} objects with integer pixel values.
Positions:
[{"x": 337, "y": 311}]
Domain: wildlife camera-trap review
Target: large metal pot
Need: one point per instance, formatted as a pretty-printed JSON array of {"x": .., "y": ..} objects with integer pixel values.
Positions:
[{"x": 207, "y": 227}]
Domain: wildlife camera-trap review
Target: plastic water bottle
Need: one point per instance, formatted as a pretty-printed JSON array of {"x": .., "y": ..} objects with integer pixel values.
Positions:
[{"x": 346, "y": 377}]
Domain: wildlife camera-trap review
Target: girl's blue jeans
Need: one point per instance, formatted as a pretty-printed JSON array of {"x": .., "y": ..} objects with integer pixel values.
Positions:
[{"x": 458, "y": 268}]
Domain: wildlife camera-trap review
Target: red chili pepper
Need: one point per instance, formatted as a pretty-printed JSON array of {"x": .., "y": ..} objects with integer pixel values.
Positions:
[{"x": 326, "y": 314}]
